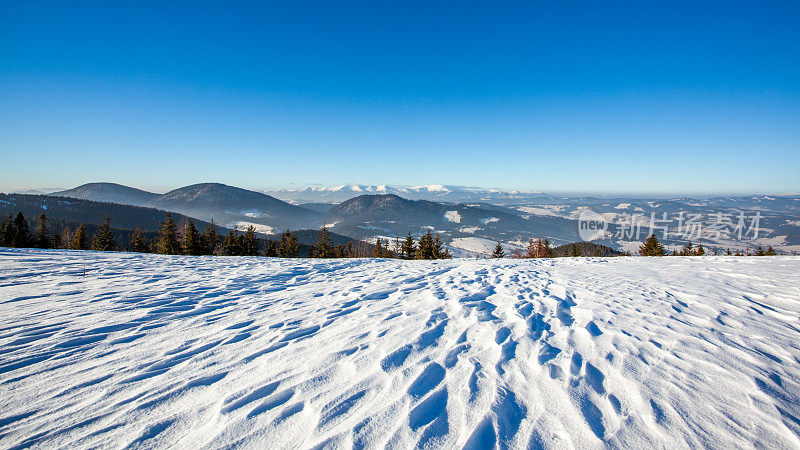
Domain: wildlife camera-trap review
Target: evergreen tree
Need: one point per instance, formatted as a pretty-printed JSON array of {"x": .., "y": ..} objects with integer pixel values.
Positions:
[
  {"x": 21, "y": 231},
  {"x": 425, "y": 246},
  {"x": 575, "y": 251},
  {"x": 548, "y": 251},
  {"x": 770, "y": 251},
  {"x": 79, "y": 240},
  {"x": 439, "y": 250},
  {"x": 728, "y": 252},
  {"x": 289, "y": 246},
  {"x": 138, "y": 243},
  {"x": 498, "y": 251},
  {"x": 340, "y": 251},
  {"x": 407, "y": 251},
  {"x": 687, "y": 249},
  {"x": 210, "y": 239},
  {"x": 652, "y": 247},
  {"x": 377, "y": 251},
  {"x": 249, "y": 243},
  {"x": 323, "y": 248},
  {"x": 42, "y": 238},
  {"x": 230, "y": 246},
  {"x": 760, "y": 251},
  {"x": 192, "y": 244},
  {"x": 350, "y": 250},
  {"x": 168, "y": 238},
  {"x": 270, "y": 249},
  {"x": 7, "y": 231},
  {"x": 103, "y": 239},
  {"x": 700, "y": 250},
  {"x": 55, "y": 240},
  {"x": 531, "y": 250}
]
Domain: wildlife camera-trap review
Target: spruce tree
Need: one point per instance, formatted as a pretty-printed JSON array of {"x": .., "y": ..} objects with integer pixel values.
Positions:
[
  {"x": 425, "y": 246},
  {"x": 652, "y": 247},
  {"x": 249, "y": 243},
  {"x": 42, "y": 238},
  {"x": 350, "y": 250},
  {"x": 103, "y": 239},
  {"x": 770, "y": 251},
  {"x": 575, "y": 251},
  {"x": 408, "y": 247},
  {"x": 760, "y": 251},
  {"x": 7, "y": 231},
  {"x": 230, "y": 246},
  {"x": 270, "y": 249},
  {"x": 728, "y": 252},
  {"x": 323, "y": 248},
  {"x": 377, "y": 251},
  {"x": 498, "y": 251},
  {"x": 21, "y": 232},
  {"x": 548, "y": 251},
  {"x": 79, "y": 240},
  {"x": 138, "y": 243},
  {"x": 530, "y": 250},
  {"x": 210, "y": 239},
  {"x": 289, "y": 246},
  {"x": 168, "y": 238},
  {"x": 700, "y": 250},
  {"x": 439, "y": 250},
  {"x": 191, "y": 240}
]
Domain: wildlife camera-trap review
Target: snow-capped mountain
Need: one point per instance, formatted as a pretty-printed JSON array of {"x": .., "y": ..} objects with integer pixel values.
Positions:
[{"x": 432, "y": 192}]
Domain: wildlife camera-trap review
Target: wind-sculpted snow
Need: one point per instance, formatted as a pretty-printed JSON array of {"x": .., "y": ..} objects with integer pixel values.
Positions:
[{"x": 151, "y": 351}]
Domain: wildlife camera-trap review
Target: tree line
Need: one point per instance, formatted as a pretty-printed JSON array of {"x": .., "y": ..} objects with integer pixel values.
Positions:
[
  {"x": 185, "y": 239},
  {"x": 652, "y": 247}
]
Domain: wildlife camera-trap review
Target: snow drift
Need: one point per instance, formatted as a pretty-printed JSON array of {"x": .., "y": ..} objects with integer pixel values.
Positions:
[{"x": 149, "y": 351}]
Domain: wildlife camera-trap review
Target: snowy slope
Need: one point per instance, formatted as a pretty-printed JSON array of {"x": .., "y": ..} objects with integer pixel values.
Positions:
[{"x": 192, "y": 352}]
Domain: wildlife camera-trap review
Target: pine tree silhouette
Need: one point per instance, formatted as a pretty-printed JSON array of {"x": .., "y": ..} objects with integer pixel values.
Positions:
[
  {"x": 79, "y": 239},
  {"x": 652, "y": 247},
  {"x": 498, "y": 251},
  {"x": 289, "y": 247},
  {"x": 168, "y": 238},
  {"x": 103, "y": 239}
]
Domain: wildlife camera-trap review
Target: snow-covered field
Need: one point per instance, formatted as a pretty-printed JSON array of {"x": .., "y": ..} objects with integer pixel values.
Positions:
[{"x": 151, "y": 351}]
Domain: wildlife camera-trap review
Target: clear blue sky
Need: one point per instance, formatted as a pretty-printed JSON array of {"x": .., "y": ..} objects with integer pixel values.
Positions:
[{"x": 641, "y": 96}]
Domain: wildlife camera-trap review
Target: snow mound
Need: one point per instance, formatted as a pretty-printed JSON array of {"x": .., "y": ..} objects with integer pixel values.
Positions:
[{"x": 157, "y": 351}]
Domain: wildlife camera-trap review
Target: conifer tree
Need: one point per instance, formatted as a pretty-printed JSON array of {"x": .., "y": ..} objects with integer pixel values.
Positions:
[
  {"x": 249, "y": 242},
  {"x": 230, "y": 246},
  {"x": 728, "y": 252},
  {"x": 498, "y": 251},
  {"x": 289, "y": 246},
  {"x": 168, "y": 238},
  {"x": 548, "y": 251},
  {"x": 700, "y": 250},
  {"x": 377, "y": 251},
  {"x": 270, "y": 249},
  {"x": 55, "y": 240},
  {"x": 42, "y": 238},
  {"x": 350, "y": 250},
  {"x": 575, "y": 251},
  {"x": 770, "y": 251},
  {"x": 687, "y": 249},
  {"x": 191, "y": 240},
  {"x": 21, "y": 233},
  {"x": 425, "y": 246},
  {"x": 530, "y": 250},
  {"x": 439, "y": 250},
  {"x": 408, "y": 247},
  {"x": 138, "y": 243},
  {"x": 652, "y": 247},
  {"x": 79, "y": 240},
  {"x": 323, "y": 248},
  {"x": 340, "y": 251},
  {"x": 210, "y": 239},
  {"x": 760, "y": 251},
  {"x": 7, "y": 231},
  {"x": 103, "y": 239}
]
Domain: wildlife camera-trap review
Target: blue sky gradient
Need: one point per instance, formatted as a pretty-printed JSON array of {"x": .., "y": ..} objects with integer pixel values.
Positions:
[{"x": 605, "y": 97}]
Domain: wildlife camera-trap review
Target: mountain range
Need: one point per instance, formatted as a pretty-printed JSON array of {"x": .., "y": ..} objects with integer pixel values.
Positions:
[{"x": 470, "y": 220}]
